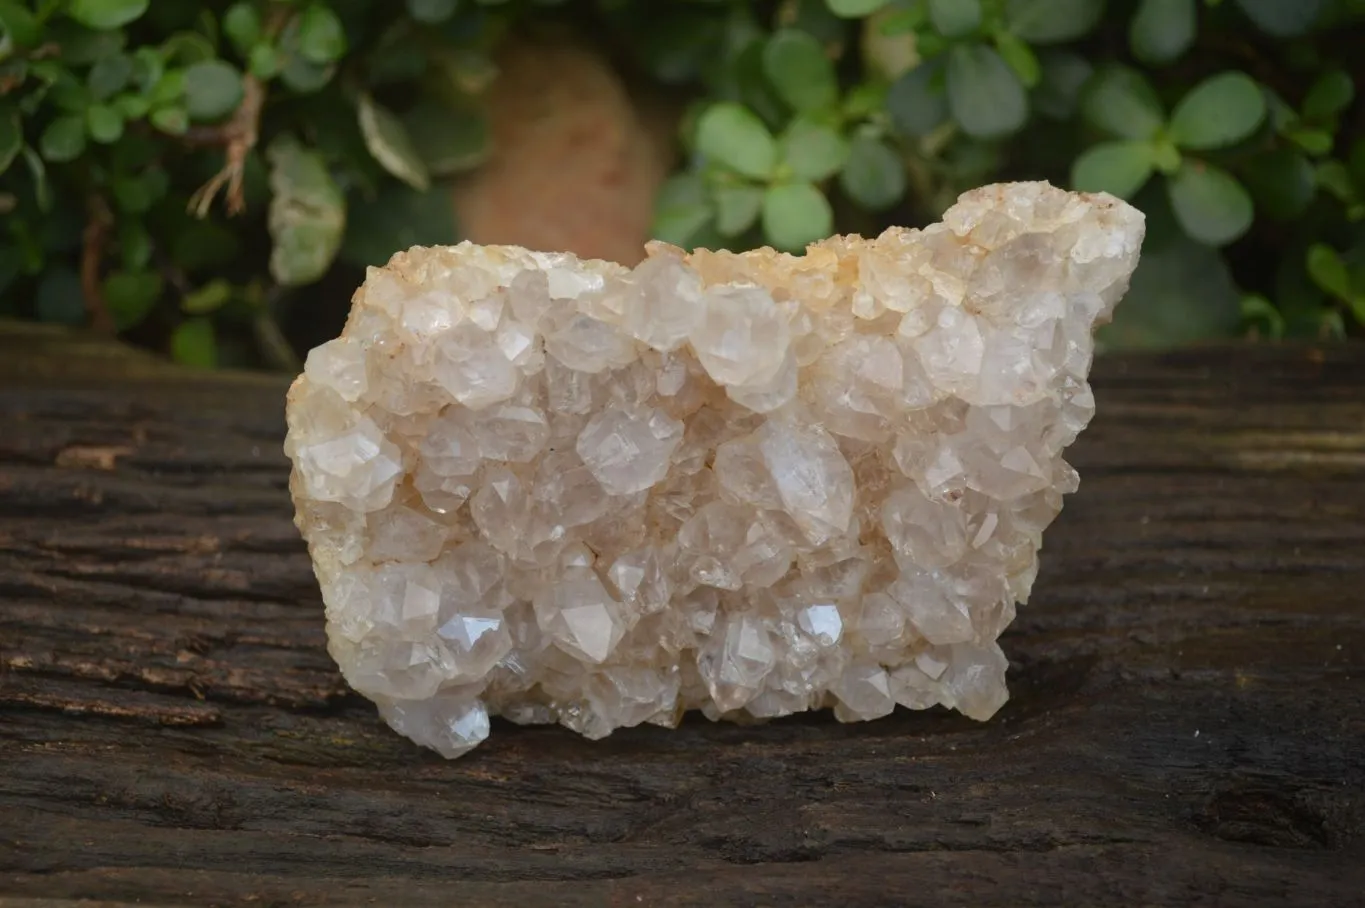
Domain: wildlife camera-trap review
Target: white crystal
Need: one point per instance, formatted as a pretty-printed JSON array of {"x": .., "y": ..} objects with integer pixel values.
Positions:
[{"x": 754, "y": 484}]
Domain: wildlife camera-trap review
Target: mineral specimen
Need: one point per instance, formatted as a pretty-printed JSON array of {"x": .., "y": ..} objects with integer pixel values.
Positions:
[{"x": 750, "y": 484}]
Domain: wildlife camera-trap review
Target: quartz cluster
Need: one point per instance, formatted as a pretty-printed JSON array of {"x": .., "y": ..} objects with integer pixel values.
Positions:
[{"x": 751, "y": 484}]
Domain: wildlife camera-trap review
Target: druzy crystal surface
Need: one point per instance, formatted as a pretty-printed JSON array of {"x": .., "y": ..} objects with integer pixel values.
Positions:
[{"x": 750, "y": 484}]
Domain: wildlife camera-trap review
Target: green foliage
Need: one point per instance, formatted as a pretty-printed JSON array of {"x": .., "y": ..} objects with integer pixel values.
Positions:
[{"x": 192, "y": 171}]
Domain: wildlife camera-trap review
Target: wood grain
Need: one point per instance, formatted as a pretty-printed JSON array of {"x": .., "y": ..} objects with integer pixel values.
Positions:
[{"x": 1187, "y": 723}]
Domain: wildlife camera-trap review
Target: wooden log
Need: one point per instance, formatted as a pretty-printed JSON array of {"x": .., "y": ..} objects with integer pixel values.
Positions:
[{"x": 1187, "y": 722}]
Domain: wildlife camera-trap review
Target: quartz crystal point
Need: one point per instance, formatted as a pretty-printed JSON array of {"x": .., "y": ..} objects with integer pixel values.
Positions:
[{"x": 751, "y": 484}]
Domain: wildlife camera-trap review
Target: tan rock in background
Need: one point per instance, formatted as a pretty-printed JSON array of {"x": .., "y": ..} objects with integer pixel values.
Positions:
[{"x": 576, "y": 161}]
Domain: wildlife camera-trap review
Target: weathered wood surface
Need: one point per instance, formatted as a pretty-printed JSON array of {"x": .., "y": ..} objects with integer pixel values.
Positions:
[{"x": 1187, "y": 724}]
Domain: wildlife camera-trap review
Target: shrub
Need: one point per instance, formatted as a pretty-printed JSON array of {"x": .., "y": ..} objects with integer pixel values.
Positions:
[{"x": 182, "y": 173}]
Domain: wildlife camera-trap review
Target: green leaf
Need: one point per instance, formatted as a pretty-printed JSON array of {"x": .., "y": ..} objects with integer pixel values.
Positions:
[
  {"x": 1282, "y": 182},
  {"x": 1064, "y": 76},
  {"x": 1162, "y": 30},
  {"x": 137, "y": 194},
  {"x": 986, "y": 97},
  {"x": 874, "y": 176},
  {"x": 432, "y": 12},
  {"x": 242, "y": 25},
  {"x": 173, "y": 121},
  {"x": 1209, "y": 203},
  {"x": 398, "y": 217},
  {"x": 855, "y": 9},
  {"x": 1122, "y": 102},
  {"x": 916, "y": 101},
  {"x": 1328, "y": 271},
  {"x": 737, "y": 208},
  {"x": 1283, "y": 18},
  {"x": 682, "y": 210},
  {"x": 1314, "y": 141},
  {"x": 307, "y": 213},
  {"x": 63, "y": 140},
  {"x": 1256, "y": 308},
  {"x": 131, "y": 295},
  {"x": 168, "y": 88},
  {"x": 1220, "y": 111},
  {"x": 812, "y": 150},
  {"x": 321, "y": 39},
  {"x": 731, "y": 135},
  {"x": 132, "y": 107},
  {"x": 304, "y": 76},
  {"x": 1119, "y": 168},
  {"x": 106, "y": 15},
  {"x": 388, "y": 141},
  {"x": 109, "y": 76},
  {"x": 448, "y": 140},
  {"x": 194, "y": 343},
  {"x": 208, "y": 298},
  {"x": 1019, "y": 56},
  {"x": 11, "y": 136},
  {"x": 134, "y": 243},
  {"x": 1330, "y": 95},
  {"x": 37, "y": 171},
  {"x": 955, "y": 18},
  {"x": 796, "y": 215},
  {"x": 104, "y": 123},
  {"x": 1052, "y": 21},
  {"x": 19, "y": 23},
  {"x": 798, "y": 68},
  {"x": 265, "y": 62},
  {"x": 213, "y": 89}
]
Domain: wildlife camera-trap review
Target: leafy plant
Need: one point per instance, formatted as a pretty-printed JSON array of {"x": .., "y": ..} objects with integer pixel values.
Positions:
[{"x": 186, "y": 174}]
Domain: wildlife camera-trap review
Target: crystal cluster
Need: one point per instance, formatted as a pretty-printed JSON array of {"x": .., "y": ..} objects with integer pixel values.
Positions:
[{"x": 750, "y": 484}]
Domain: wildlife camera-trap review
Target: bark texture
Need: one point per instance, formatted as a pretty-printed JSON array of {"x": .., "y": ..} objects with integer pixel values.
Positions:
[{"x": 1187, "y": 722}]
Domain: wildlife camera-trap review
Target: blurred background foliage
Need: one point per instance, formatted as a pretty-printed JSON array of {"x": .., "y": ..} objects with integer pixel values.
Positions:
[{"x": 202, "y": 178}]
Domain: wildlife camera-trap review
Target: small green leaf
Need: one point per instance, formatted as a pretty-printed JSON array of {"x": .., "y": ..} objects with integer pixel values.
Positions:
[
  {"x": 242, "y": 25},
  {"x": 19, "y": 23},
  {"x": 1162, "y": 30},
  {"x": 986, "y": 97},
  {"x": 874, "y": 176},
  {"x": 1314, "y": 141},
  {"x": 1328, "y": 271},
  {"x": 737, "y": 208},
  {"x": 194, "y": 343},
  {"x": 106, "y": 15},
  {"x": 1282, "y": 18},
  {"x": 1256, "y": 308},
  {"x": 208, "y": 298},
  {"x": 321, "y": 39},
  {"x": 855, "y": 9},
  {"x": 1220, "y": 111},
  {"x": 731, "y": 135},
  {"x": 304, "y": 76},
  {"x": 1282, "y": 182},
  {"x": 1330, "y": 95},
  {"x": 1165, "y": 156},
  {"x": 131, "y": 295},
  {"x": 916, "y": 101},
  {"x": 63, "y": 140},
  {"x": 173, "y": 121},
  {"x": 796, "y": 215},
  {"x": 448, "y": 140},
  {"x": 1209, "y": 203},
  {"x": 109, "y": 76},
  {"x": 1020, "y": 57},
  {"x": 104, "y": 123},
  {"x": 681, "y": 210},
  {"x": 955, "y": 18},
  {"x": 11, "y": 136},
  {"x": 213, "y": 89},
  {"x": 1121, "y": 101},
  {"x": 132, "y": 107},
  {"x": 134, "y": 243},
  {"x": 798, "y": 68},
  {"x": 388, "y": 141},
  {"x": 1052, "y": 21},
  {"x": 432, "y": 12},
  {"x": 813, "y": 150},
  {"x": 307, "y": 213},
  {"x": 265, "y": 62},
  {"x": 168, "y": 88},
  {"x": 1119, "y": 168},
  {"x": 37, "y": 171}
]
